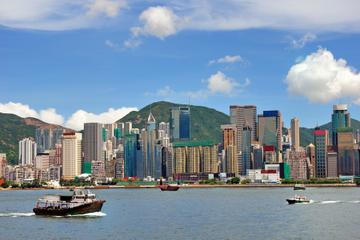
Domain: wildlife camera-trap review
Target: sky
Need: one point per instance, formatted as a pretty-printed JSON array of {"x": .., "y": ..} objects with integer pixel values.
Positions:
[{"x": 74, "y": 61}]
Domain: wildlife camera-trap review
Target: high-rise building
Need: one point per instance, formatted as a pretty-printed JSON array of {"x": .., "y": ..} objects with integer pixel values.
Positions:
[
  {"x": 3, "y": 164},
  {"x": 339, "y": 119},
  {"x": 93, "y": 144},
  {"x": 229, "y": 145},
  {"x": 332, "y": 160},
  {"x": 46, "y": 138},
  {"x": 149, "y": 137},
  {"x": 258, "y": 156},
  {"x": 310, "y": 152},
  {"x": 297, "y": 161},
  {"x": 270, "y": 131},
  {"x": 195, "y": 157},
  {"x": 180, "y": 123},
  {"x": 321, "y": 146},
  {"x": 348, "y": 152},
  {"x": 127, "y": 128},
  {"x": 295, "y": 134},
  {"x": 246, "y": 151},
  {"x": 71, "y": 154},
  {"x": 27, "y": 151},
  {"x": 243, "y": 116},
  {"x": 131, "y": 145}
]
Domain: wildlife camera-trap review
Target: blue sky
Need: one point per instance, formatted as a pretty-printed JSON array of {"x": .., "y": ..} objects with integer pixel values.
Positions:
[{"x": 69, "y": 63}]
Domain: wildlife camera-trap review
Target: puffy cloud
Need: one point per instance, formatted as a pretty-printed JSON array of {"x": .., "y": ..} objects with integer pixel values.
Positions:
[
  {"x": 220, "y": 83},
  {"x": 55, "y": 15},
  {"x": 112, "y": 44},
  {"x": 301, "y": 42},
  {"x": 227, "y": 59},
  {"x": 47, "y": 115},
  {"x": 108, "y": 7},
  {"x": 322, "y": 78},
  {"x": 76, "y": 120}
]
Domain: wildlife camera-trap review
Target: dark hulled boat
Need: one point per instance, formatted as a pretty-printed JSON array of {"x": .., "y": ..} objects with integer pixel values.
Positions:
[
  {"x": 167, "y": 187},
  {"x": 80, "y": 202},
  {"x": 298, "y": 199}
]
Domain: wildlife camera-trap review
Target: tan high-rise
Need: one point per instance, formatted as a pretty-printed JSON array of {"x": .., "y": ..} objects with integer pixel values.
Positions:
[
  {"x": 72, "y": 155},
  {"x": 295, "y": 134},
  {"x": 229, "y": 144}
]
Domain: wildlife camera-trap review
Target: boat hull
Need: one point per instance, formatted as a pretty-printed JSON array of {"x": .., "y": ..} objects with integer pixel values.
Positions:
[
  {"x": 299, "y": 188},
  {"x": 82, "y": 209},
  {"x": 294, "y": 201},
  {"x": 168, "y": 188}
]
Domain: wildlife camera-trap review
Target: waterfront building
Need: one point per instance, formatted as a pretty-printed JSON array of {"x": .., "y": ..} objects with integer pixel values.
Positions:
[
  {"x": 180, "y": 123},
  {"x": 245, "y": 150},
  {"x": 131, "y": 147},
  {"x": 93, "y": 144},
  {"x": 348, "y": 153},
  {"x": 3, "y": 163},
  {"x": 310, "y": 152},
  {"x": 340, "y": 118},
  {"x": 149, "y": 137},
  {"x": 321, "y": 146},
  {"x": 295, "y": 134},
  {"x": 27, "y": 151},
  {"x": 269, "y": 155},
  {"x": 195, "y": 157},
  {"x": 243, "y": 116},
  {"x": 42, "y": 161},
  {"x": 71, "y": 155},
  {"x": 258, "y": 156},
  {"x": 270, "y": 131},
  {"x": 297, "y": 161},
  {"x": 230, "y": 153},
  {"x": 332, "y": 159}
]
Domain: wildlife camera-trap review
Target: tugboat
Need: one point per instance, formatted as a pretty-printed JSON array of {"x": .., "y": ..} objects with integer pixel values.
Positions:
[
  {"x": 80, "y": 202},
  {"x": 298, "y": 199},
  {"x": 168, "y": 187},
  {"x": 299, "y": 186}
]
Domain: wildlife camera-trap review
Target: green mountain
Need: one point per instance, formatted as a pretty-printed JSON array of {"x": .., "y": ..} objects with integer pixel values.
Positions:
[
  {"x": 307, "y": 137},
  {"x": 14, "y": 128},
  {"x": 205, "y": 122}
]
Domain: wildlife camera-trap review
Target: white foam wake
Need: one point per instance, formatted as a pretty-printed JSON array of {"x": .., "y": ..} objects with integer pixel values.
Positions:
[
  {"x": 329, "y": 202},
  {"x": 17, "y": 214},
  {"x": 94, "y": 214}
]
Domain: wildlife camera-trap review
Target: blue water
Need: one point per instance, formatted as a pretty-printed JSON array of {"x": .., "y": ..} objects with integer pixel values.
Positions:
[{"x": 212, "y": 213}]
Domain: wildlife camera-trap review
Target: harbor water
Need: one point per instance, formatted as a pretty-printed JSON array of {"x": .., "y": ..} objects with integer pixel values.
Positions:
[{"x": 204, "y": 213}]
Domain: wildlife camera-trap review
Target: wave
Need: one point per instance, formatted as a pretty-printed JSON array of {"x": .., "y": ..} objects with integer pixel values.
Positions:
[
  {"x": 17, "y": 214},
  {"x": 329, "y": 202}
]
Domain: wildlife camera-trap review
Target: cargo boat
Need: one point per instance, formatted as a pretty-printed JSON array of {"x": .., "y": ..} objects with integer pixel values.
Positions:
[
  {"x": 82, "y": 201},
  {"x": 298, "y": 199}
]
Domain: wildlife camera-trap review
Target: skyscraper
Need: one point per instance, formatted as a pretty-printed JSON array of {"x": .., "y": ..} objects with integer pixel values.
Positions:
[
  {"x": 348, "y": 152},
  {"x": 180, "y": 123},
  {"x": 3, "y": 163},
  {"x": 93, "y": 144},
  {"x": 72, "y": 155},
  {"x": 46, "y": 138},
  {"x": 229, "y": 145},
  {"x": 270, "y": 131},
  {"x": 321, "y": 145},
  {"x": 295, "y": 134},
  {"x": 27, "y": 151},
  {"x": 339, "y": 119},
  {"x": 243, "y": 116},
  {"x": 245, "y": 150}
]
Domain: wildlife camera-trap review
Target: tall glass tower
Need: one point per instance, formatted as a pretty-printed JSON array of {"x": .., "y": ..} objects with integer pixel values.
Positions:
[
  {"x": 180, "y": 122},
  {"x": 339, "y": 119}
]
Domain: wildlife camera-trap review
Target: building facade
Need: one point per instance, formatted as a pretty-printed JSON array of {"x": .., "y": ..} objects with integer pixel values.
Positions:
[{"x": 72, "y": 155}]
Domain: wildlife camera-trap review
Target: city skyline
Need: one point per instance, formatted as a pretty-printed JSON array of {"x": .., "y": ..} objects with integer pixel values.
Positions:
[{"x": 113, "y": 58}]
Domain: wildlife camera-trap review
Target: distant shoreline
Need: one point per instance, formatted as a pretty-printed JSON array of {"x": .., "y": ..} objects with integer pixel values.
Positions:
[{"x": 191, "y": 186}]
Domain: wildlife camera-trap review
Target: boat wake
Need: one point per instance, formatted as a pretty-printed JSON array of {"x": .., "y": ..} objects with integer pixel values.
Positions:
[
  {"x": 17, "y": 214},
  {"x": 329, "y": 202},
  {"x": 89, "y": 215}
]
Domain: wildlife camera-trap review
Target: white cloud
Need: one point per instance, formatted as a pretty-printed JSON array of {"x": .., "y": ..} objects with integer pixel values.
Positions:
[
  {"x": 220, "y": 83},
  {"x": 109, "y": 8},
  {"x": 322, "y": 78},
  {"x": 132, "y": 42},
  {"x": 75, "y": 121},
  {"x": 301, "y": 42},
  {"x": 47, "y": 115},
  {"x": 112, "y": 44},
  {"x": 55, "y": 15},
  {"x": 227, "y": 59}
]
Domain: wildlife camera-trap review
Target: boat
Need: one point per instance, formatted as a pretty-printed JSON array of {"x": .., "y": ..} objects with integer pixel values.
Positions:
[
  {"x": 81, "y": 201},
  {"x": 298, "y": 199},
  {"x": 299, "y": 187},
  {"x": 168, "y": 187}
]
